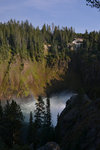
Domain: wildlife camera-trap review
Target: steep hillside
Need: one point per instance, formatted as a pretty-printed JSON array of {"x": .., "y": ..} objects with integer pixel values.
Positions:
[
  {"x": 25, "y": 78},
  {"x": 40, "y": 61},
  {"x": 78, "y": 126}
]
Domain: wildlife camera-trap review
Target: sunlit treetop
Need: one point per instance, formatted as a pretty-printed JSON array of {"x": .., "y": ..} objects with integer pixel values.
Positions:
[{"x": 93, "y": 3}]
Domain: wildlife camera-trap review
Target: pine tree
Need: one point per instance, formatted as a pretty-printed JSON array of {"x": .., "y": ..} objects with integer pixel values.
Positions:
[
  {"x": 39, "y": 112},
  {"x": 1, "y": 112},
  {"x": 7, "y": 109},
  {"x": 13, "y": 118},
  {"x": 48, "y": 113},
  {"x": 1, "y": 118},
  {"x": 58, "y": 117},
  {"x": 30, "y": 132},
  {"x": 93, "y": 3}
]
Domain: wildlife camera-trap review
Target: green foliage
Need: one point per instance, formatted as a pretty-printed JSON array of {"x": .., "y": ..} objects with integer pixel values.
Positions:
[
  {"x": 39, "y": 112},
  {"x": 41, "y": 127},
  {"x": 93, "y": 3},
  {"x": 14, "y": 133},
  {"x": 48, "y": 113},
  {"x": 27, "y": 41},
  {"x": 11, "y": 123},
  {"x": 20, "y": 41},
  {"x": 89, "y": 62},
  {"x": 1, "y": 112},
  {"x": 30, "y": 129}
]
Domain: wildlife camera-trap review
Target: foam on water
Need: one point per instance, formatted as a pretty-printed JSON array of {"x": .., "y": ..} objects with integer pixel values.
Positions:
[{"x": 57, "y": 103}]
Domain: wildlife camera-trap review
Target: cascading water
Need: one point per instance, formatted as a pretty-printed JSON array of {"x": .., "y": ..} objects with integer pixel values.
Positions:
[{"x": 57, "y": 104}]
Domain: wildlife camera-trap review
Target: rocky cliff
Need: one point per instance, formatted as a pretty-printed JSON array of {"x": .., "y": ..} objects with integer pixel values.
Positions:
[{"x": 78, "y": 126}]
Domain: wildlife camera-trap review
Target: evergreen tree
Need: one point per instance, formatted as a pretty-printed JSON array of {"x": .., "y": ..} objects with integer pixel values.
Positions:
[
  {"x": 7, "y": 110},
  {"x": 58, "y": 117},
  {"x": 93, "y": 3},
  {"x": 30, "y": 130},
  {"x": 48, "y": 113},
  {"x": 1, "y": 112},
  {"x": 1, "y": 121},
  {"x": 26, "y": 41},
  {"x": 39, "y": 112},
  {"x": 12, "y": 122}
]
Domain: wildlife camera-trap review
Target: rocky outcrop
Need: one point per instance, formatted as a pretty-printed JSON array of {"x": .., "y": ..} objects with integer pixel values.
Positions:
[
  {"x": 50, "y": 146},
  {"x": 78, "y": 126}
]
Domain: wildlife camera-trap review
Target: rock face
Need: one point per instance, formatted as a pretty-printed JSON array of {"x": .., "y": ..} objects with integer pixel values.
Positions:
[
  {"x": 79, "y": 124},
  {"x": 50, "y": 146}
]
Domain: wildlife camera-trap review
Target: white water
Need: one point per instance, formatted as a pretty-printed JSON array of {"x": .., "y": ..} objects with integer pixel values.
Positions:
[{"x": 57, "y": 102}]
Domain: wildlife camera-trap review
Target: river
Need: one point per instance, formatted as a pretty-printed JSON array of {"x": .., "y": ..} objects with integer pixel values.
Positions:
[{"x": 57, "y": 104}]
